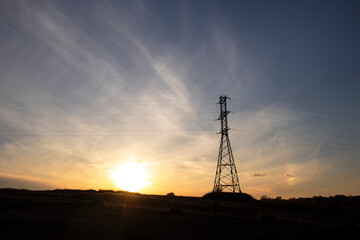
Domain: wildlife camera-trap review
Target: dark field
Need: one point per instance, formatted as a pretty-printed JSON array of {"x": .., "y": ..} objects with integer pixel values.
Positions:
[{"x": 73, "y": 214}]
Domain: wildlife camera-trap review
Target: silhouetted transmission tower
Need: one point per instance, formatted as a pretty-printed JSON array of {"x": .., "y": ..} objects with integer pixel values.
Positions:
[{"x": 226, "y": 177}]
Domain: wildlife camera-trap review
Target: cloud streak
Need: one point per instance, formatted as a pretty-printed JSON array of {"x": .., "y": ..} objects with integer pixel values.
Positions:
[{"x": 259, "y": 175}]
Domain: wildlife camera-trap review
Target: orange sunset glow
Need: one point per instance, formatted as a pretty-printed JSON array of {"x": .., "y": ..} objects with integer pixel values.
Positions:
[{"x": 130, "y": 177}]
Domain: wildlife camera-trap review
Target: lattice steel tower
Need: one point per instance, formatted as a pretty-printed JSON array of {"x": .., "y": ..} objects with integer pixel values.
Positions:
[{"x": 226, "y": 177}]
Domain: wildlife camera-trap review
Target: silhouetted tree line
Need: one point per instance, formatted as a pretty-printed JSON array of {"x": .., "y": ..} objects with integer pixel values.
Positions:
[{"x": 336, "y": 199}]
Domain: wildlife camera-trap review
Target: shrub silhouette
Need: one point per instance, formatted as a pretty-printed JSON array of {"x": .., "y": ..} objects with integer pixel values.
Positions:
[
  {"x": 171, "y": 194},
  {"x": 229, "y": 196}
]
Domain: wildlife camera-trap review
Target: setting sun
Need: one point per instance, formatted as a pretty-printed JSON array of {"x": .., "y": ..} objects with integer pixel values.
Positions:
[{"x": 130, "y": 177}]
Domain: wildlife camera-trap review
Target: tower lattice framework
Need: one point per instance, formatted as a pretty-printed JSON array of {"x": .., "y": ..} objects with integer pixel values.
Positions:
[{"x": 226, "y": 177}]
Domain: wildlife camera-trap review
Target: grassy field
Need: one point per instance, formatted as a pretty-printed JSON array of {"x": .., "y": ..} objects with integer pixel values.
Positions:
[{"x": 75, "y": 214}]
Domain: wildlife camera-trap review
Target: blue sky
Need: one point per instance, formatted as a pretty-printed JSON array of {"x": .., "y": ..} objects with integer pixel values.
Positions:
[{"x": 88, "y": 85}]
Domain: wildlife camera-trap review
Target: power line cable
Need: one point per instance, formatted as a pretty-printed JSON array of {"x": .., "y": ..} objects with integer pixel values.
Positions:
[
  {"x": 107, "y": 102},
  {"x": 208, "y": 131},
  {"x": 312, "y": 123},
  {"x": 306, "y": 131},
  {"x": 171, "y": 134},
  {"x": 304, "y": 109},
  {"x": 94, "y": 115},
  {"x": 166, "y": 100},
  {"x": 123, "y": 130},
  {"x": 312, "y": 116},
  {"x": 305, "y": 143},
  {"x": 297, "y": 138},
  {"x": 101, "y": 123}
]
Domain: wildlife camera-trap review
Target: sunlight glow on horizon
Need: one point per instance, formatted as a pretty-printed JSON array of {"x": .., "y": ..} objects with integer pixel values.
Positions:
[{"x": 130, "y": 177}]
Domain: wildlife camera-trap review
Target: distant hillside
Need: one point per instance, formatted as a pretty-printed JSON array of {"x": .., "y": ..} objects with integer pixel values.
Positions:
[{"x": 107, "y": 214}]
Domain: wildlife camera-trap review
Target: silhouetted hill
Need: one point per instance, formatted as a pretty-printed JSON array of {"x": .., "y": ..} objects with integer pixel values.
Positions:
[{"x": 107, "y": 214}]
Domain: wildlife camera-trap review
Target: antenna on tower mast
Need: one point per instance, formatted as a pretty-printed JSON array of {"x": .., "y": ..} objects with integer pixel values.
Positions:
[{"x": 226, "y": 177}]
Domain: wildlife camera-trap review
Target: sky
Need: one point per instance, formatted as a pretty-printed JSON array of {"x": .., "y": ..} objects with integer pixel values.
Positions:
[{"x": 89, "y": 86}]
